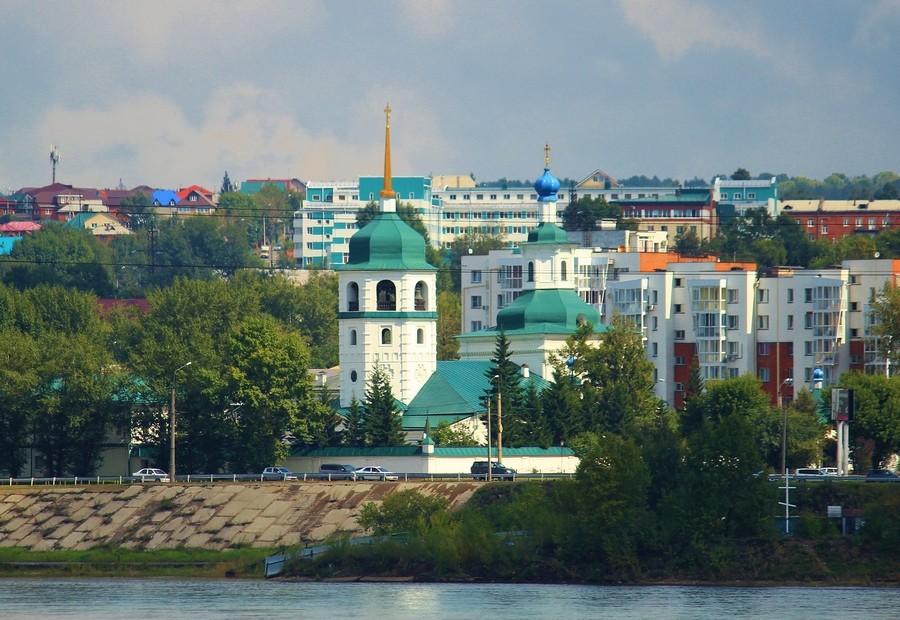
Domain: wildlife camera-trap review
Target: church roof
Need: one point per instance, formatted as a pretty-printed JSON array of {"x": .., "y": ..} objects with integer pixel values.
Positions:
[
  {"x": 387, "y": 243},
  {"x": 453, "y": 392},
  {"x": 548, "y": 233},
  {"x": 547, "y": 311}
]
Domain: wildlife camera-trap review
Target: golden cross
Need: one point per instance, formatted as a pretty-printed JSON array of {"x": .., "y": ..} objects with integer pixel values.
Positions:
[{"x": 547, "y": 155}]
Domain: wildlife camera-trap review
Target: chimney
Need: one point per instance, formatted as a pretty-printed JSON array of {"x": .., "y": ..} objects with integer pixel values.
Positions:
[{"x": 526, "y": 371}]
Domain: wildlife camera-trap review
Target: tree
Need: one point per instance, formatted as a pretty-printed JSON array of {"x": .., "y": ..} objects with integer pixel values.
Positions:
[
  {"x": 877, "y": 419},
  {"x": 355, "y": 425},
  {"x": 741, "y": 174},
  {"x": 505, "y": 379},
  {"x": 275, "y": 212},
  {"x": 688, "y": 243},
  {"x": 18, "y": 383},
  {"x": 535, "y": 427},
  {"x": 383, "y": 421},
  {"x": 59, "y": 255},
  {"x": 227, "y": 185},
  {"x": 561, "y": 404},
  {"x": 403, "y": 512},
  {"x": 585, "y": 212},
  {"x": 140, "y": 213},
  {"x": 265, "y": 370},
  {"x": 618, "y": 382},
  {"x": 467, "y": 244},
  {"x": 886, "y": 327},
  {"x": 450, "y": 435},
  {"x": 449, "y": 311}
]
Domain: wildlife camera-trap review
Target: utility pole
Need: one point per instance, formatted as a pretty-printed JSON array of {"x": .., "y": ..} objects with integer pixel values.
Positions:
[
  {"x": 54, "y": 159},
  {"x": 499, "y": 424}
]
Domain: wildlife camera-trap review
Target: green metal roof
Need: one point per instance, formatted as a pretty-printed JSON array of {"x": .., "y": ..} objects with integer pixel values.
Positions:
[
  {"x": 547, "y": 311},
  {"x": 454, "y": 392},
  {"x": 387, "y": 243},
  {"x": 348, "y": 452},
  {"x": 481, "y": 452},
  {"x": 341, "y": 452},
  {"x": 548, "y": 233}
]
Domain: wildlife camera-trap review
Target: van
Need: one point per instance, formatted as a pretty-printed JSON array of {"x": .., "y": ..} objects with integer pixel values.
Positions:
[
  {"x": 809, "y": 472},
  {"x": 336, "y": 471}
]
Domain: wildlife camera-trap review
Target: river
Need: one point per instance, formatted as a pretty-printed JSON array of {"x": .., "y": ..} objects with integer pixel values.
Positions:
[{"x": 139, "y": 599}]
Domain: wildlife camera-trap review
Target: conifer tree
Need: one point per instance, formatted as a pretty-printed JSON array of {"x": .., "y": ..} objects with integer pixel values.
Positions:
[
  {"x": 354, "y": 425},
  {"x": 504, "y": 377},
  {"x": 383, "y": 421}
]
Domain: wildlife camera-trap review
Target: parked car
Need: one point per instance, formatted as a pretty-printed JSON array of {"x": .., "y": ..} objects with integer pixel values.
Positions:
[
  {"x": 882, "y": 474},
  {"x": 499, "y": 471},
  {"x": 337, "y": 471},
  {"x": 809, "y": 472},
  {"x": 372, "y": 472},
  {"x": 150, "y": 474},
  {"x": 278, "y": 473},
  {"x": 829, "y": 471}
]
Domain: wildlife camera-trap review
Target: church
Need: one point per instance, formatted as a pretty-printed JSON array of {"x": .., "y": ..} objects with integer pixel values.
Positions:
[{"x": 388, "y": 319}]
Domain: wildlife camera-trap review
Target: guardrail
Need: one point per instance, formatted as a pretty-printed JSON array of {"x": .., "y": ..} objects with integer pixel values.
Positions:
[{"x": 236, "y": 478}]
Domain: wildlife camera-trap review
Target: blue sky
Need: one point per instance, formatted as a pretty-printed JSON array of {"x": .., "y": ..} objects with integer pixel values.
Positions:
[{"x": 172, "y": 93}]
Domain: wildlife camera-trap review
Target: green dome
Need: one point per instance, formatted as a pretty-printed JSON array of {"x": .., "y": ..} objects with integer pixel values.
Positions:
[
  {"x": 547, "y": 311},
  {"x": 548, "y": 233},
  {"x": 387, "y": 243}
]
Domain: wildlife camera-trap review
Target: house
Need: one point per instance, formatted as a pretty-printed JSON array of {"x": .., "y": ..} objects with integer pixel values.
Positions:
[{"x": 101, "y": 225}]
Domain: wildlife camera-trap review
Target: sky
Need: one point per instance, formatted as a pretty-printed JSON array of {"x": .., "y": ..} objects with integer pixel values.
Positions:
[{"x": 175, "y": 93}]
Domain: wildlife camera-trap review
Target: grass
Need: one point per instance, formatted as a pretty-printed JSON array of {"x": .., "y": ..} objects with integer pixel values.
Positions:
[{"x": 106, "y": 561}]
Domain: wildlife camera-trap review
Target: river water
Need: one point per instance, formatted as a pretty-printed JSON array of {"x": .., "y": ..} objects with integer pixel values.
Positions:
[{"x": 138, "y": 599}]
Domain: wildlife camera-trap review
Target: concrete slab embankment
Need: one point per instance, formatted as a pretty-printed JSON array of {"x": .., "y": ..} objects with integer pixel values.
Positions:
[{"x": 211, "y": 516}]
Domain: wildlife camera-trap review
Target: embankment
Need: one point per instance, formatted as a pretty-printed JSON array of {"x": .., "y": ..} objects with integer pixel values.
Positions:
[{"x": 207, "y": 516}]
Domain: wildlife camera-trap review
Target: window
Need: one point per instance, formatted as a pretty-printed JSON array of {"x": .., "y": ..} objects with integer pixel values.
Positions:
[
  {"x": 854, "y": 306},
  {"x": 854, "y": 332},
  {"x": 764, "y": 375},
  {"x": 476, "y": 276},
  {"x": 808, "y": 348},
  {"x": 810, "y": 223},
  {"x": 562, "y": 271},
  {"x": 762, "y": 295},
  {"x": 790, "y": 349},
  {"x": 679, "y": 387},
  {"x": 808, "y": 323},
  {"x": 420, "y": 336},
  {"x": 764, "y": 348},
  {"x": 790, "y": 321},
  {"x": 386, "y": 336},
  {"x": 733, "y": 296},
  {"x": 679, "y": 334},
  {"x": 655, "y": 323},
  {"x": 476, "y": 326},
  {"x": 807, "y": 295},
  {"x": 476, "y": 302},
  {"x": 790, "y": 295},
  {"x": 732, "y": 321},
  {"x": 679, "y": 360},
  {"x": 678, "y": 309},
  {"x": 386, "y": 295},
  {"x": 353, "y": 337},
  {"x": 762, "y": 321},
  {"x": 353, "y": 376},
  {"x": 724, "y": 196},
  {"x": 654, "y": 348},
  {"x": 679, "y": 282},
  {"x": 751, "y": 196}
]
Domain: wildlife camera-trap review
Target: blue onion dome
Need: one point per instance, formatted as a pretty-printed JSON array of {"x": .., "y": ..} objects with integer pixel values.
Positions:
[
  {"x": 818, "y": 374},
  {"x": 546, "y": 187}
]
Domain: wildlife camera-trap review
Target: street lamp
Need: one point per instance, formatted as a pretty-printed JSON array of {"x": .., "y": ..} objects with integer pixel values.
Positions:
[{"x": 172, "y": 424}]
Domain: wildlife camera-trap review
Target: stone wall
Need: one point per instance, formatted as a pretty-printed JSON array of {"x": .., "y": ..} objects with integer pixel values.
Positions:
[{"x": 213, "y": 516}]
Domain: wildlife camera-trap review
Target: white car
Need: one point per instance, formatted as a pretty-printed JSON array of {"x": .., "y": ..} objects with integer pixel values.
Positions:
[
  {"x": 149, "y": 474},
  {"x": 278, "y": 473},
  {"x": 372, "y": 472}
]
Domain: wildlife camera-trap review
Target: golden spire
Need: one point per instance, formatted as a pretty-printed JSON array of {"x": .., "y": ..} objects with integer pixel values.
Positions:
[
  {"x": 388, "y": 191},
  {"x": 546, "y": 155}
]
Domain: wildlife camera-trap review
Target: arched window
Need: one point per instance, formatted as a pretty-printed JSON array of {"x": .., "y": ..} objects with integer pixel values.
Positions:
[
  {"x": 420, "y": 336},
  {"x": 562, "y": 271},
  {"x": 386, "y": 335},
  {"x": 386, "y": 294},
  {"x": 420, "y": 295},
  {"x": 531, "y": 272},
  {"x": 352, "y": 337},
  {"x": 353, "y": 297}
]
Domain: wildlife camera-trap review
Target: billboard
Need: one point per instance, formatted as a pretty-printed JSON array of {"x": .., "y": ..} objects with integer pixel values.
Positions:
[{"x": 842, "y": 404}]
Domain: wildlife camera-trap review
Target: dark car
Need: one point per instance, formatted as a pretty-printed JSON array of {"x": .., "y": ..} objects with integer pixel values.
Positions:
[
  {"x": 337, "y": 471},
  {"x": 499, "y": 471},
  {"x": 882, "y": 474}
]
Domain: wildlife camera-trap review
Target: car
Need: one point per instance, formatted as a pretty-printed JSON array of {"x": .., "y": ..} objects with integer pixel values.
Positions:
[
  {"x": 808, "y": 472},
  {"x": 830, "y": 471},
  {"x": 373, "y": 472},
  {"x": 336, "y": 471},
  {"x": 882, "y": 474},
  {"x": 151, "y": 474},
  {"x": 499, "y": 471},
  {"x": 278, "y": 473}
]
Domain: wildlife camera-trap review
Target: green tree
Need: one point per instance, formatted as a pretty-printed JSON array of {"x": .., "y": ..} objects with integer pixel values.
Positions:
[
  {"x": 536, "y": 430},
  {"x": 585, "y": 212},
  {"x": 18, "y": 383},
  {"x": 505, "y": 379},
  {"x": 140, "y": 213},
  {"x": 266, "y": 374},
  {"x": 59, "y": 255},
  {"x": 741, "y": 174},
  {"x": 468, "y": 244},
  {"x": 877, "y": 419},
  {"x": 384, "y": 423},
  {"x": 562, "y": 405},
  {"x": 457, "y": 436},
  {"x": 403, "y": 512},
  {"x": 449, "y": 311},
  {"x": 886, "y": 328},
  {"x": 618, "y": 382},
  {"x": 227, "y": 185},
  {"x": 355, "y": 425}
]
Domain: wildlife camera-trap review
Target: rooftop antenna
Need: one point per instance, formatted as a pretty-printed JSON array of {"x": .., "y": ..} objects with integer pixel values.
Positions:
[{"x": 54, "y": 159}]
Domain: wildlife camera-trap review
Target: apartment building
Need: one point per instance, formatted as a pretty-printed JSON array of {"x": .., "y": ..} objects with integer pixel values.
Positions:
[
  {"x": 780, "y": 326},
  {"x": 836, "y": 219}
]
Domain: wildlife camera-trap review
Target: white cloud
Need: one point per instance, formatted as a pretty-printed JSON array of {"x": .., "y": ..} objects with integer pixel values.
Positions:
[{"x": 675, "y": 26}]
